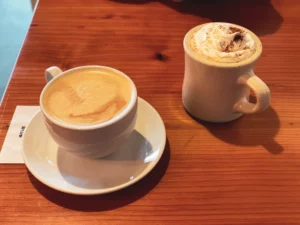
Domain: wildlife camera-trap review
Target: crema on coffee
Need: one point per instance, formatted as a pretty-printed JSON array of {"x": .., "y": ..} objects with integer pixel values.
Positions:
[{"x": 87, "y": 97}]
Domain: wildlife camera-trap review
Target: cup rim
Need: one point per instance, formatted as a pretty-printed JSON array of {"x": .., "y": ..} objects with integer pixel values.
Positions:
[
  {"x": 120, "y": 116},
  {"x": 205, "y": 61}
]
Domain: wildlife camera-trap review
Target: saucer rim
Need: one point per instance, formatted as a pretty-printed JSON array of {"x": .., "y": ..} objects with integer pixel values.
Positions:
[{"x": 84, "y": 191}]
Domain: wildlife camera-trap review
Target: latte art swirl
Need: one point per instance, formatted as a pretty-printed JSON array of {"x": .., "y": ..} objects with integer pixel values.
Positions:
[
  {"x": 87, "y": 97},
  {"x": 221, "y": 42}
]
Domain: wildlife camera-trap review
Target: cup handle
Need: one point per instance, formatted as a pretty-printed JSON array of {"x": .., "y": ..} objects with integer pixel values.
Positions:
[
  {"x": 262, "y": 93},
  {"x": 52, "y": 72}
]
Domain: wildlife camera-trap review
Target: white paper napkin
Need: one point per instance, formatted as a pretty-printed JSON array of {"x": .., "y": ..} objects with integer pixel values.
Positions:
[{"x": 12, "y": 146}]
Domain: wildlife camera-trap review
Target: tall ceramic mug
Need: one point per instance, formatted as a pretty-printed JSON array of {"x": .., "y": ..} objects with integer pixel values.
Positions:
[
  {"x": 219, "y": 92},
  {"x": 95, "y": 140}
]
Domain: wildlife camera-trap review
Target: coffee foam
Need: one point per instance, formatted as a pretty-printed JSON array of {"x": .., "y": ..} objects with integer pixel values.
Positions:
[
  {"x": 87, "y": 97},
  {"x": 222, "y": 42}
]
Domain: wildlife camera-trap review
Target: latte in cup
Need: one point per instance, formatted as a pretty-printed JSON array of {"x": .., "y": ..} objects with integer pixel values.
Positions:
[
  {"x": 89, "y": 111},
  {"x": 223, "y": 42},
  {"x": 87, "y": 97}
]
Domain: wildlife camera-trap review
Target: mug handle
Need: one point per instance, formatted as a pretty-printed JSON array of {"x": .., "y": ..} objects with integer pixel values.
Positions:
[
  {"x": 262, "y": 93},
  {"x": 52, "y": 72}
]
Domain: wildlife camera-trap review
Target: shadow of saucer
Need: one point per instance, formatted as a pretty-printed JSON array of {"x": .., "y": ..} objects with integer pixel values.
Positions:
[
  {"x": 250, "y": 130},
  {"x": 107, "y": 201},
  {"x": 259, "y": 16}
]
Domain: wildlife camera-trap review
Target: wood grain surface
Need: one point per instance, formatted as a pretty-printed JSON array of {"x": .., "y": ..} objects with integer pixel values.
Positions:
[{"x": 243, "y": 172}]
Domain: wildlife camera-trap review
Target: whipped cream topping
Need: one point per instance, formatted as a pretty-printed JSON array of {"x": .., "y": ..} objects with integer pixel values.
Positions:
[{"x": 221, "y": 42}]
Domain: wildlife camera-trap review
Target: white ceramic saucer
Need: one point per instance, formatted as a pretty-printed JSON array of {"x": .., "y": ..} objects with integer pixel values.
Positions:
[{"x": 68, "y": 173}]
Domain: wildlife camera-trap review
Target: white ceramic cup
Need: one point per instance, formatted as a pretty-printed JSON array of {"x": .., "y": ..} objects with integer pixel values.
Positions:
[
  {"x": 97, "y": 140},
  {"x": 219, "y": 92}
]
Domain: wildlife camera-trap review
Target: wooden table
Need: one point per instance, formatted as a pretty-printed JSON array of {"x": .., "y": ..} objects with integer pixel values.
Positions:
[{"x": 244, "y": 172}]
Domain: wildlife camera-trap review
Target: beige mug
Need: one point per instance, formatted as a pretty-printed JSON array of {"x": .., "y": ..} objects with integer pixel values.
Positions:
[{"x": 219, "y": 92}]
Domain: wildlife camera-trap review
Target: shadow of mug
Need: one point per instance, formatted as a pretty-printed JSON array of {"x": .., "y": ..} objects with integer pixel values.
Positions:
[
  {"x": 259, "y": 16},
  {"x": 250, "y": 130},
  {"x": 116, "y": 169},
  {"x": 107, "y": 201}
]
